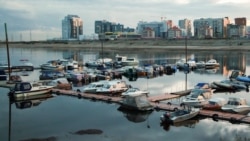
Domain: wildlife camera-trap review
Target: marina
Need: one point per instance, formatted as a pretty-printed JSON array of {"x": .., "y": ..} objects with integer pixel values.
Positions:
[{"x": 87, "y": 111}]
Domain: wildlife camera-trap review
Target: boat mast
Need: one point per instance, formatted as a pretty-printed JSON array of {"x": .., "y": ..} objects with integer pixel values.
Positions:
[{"x": 7, "y": 45}]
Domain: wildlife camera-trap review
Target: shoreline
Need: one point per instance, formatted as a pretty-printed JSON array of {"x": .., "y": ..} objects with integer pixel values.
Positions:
[{"x": 146, "y": 44}]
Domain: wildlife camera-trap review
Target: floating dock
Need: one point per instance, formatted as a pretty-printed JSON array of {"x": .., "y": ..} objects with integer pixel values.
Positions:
[{"x": 155, "y": 101}]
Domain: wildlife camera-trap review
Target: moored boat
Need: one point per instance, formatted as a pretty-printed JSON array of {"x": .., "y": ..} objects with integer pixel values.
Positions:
[
  {"x": 134, "y": 91},
  {"x": 125, "y": 61},
  {"x": 24, "y": 89},
  {"x": 198, "y": 97},
  {"x": 179, "y": 115},
  {"x": 236, "y": 105},
  {"x": 215, "y": 104},
  {"x": 212, "y": 63},
  {"x": 138, "y": 102}
]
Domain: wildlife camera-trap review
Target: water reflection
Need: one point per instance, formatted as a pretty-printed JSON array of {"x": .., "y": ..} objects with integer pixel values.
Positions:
[
  {"x": 31, "y": 101},
  {"x": 135, "y": 116},
  {"x": 76, "y": 109}
]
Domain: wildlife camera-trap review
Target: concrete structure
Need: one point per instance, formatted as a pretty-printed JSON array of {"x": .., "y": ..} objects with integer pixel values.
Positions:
[
  {"x": 218, "y": 26},
  {"x": 72, "y": 26},
  {"x": 185, "y": 25},
  {"x": 160, "y": 28}
]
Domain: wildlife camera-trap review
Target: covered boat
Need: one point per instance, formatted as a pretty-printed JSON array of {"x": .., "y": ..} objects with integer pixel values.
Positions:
[
  {"x": 179, "y": 115},
  {"x": 137, "y": 102}
]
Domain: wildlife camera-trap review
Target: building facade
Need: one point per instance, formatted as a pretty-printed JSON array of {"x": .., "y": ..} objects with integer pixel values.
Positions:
[
  {"x": 159, "y": 28},
  {"x": 174, "y": 33},
  {"x": 186, "y": 26},
  {"x": 72, "y": 27},
  {"x": 217, "y": 25},
  {"x": 101, "y": 27}
]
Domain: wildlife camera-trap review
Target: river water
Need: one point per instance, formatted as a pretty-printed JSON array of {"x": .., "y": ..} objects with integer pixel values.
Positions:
[{"x": 60, "y": 117}]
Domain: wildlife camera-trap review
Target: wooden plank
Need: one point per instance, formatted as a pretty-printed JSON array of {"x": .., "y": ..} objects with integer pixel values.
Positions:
[
  {"x": 162, "y": 97},
  {"x": 155, "y": 101}
]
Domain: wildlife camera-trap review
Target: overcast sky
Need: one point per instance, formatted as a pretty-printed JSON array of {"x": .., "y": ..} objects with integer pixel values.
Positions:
[{"x": 41, "y": 19}]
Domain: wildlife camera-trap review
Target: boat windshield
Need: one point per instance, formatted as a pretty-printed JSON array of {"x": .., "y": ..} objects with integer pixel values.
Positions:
[
  {"x": 212, "y": 103},
  {"x": 233, "y": 103},
  {"x": 195, "y": 93}
]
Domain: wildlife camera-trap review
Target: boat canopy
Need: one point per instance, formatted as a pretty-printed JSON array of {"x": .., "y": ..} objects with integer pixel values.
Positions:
[{"x": 23, "y": 86}]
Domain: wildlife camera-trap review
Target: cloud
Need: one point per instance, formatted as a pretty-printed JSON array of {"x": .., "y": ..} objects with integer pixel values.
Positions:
[{"x": 47, "y": 14}]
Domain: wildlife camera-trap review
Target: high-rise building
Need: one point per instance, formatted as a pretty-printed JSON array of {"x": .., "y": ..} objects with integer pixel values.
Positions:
[
  {"x": 217, "y": 26},
  {"x": 186, "y": 26},
  {"x": 72, "y": 27}
]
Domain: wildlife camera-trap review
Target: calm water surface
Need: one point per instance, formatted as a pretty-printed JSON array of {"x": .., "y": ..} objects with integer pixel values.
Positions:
[{"x": 60, "y": 117}]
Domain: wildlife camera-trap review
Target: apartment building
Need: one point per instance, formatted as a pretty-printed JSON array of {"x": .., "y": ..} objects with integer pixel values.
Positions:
[
  {"x": 72, "y": 27},
  {"x": 186, "y": 26},
  {"x": 203, "y": 27}
]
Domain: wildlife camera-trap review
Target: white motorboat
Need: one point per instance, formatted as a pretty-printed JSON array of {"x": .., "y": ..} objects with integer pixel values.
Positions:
[
  {"x": 92, "y": 87},
  {"x": 215, "y": 103},
  {"x": 138, "y": 102},
  {"x": 236, "y": 105},
  {"x": 134, "y": 91},
  {"x": 200, "y": 64},
  {"x": 113, "y": 86},
  {"x": 125, "y": 61},
  {"x": 69, "y": 64},
  {"x": 212, "y": 63},
  {"x": 182, "y": 62},
  {"x": 52, "y": 65},
  {"x": 179, "y": 115},
  {"x": 24, "y": 89},
  {"x": 198, "y": 97}
]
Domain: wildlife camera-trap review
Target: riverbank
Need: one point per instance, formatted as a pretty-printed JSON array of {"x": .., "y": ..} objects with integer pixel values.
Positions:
[{"x": 193, "y": 44}]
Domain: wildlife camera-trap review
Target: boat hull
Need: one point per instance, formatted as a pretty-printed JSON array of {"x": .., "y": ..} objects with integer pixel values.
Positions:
[
  {"x": 179, "y": 116},
  {"x": 19, "y": 94}
]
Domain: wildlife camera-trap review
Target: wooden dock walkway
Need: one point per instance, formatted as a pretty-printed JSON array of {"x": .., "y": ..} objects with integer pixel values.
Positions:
[{"x": 155, "y": 101}]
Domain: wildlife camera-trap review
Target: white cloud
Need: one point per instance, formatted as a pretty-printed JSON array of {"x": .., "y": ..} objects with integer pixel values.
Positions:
[{"x": 42, "y": 15}]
